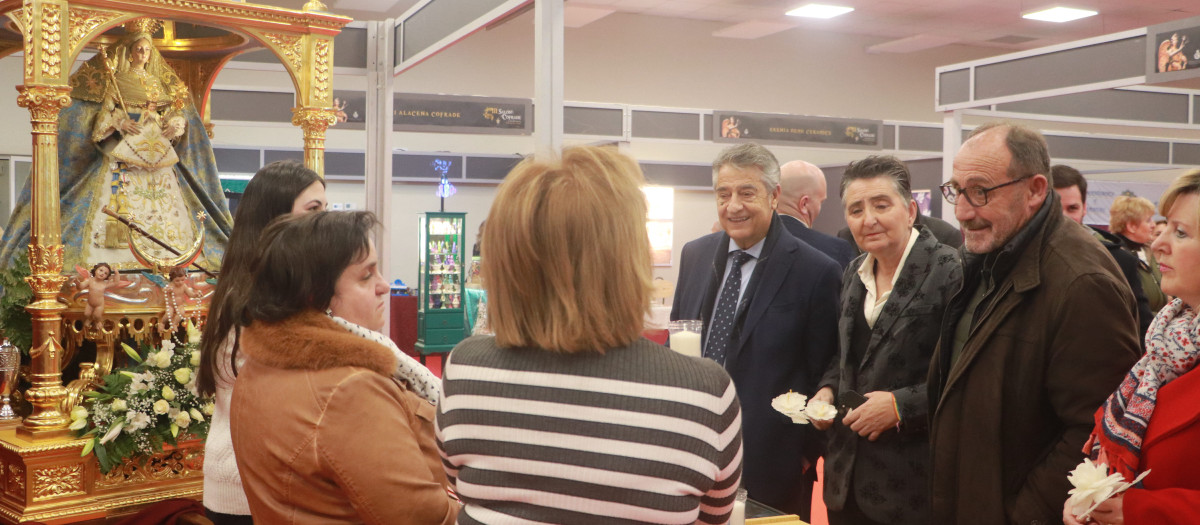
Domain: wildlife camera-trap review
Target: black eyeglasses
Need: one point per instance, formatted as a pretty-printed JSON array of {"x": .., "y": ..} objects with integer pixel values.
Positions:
[{"x": 976, "y": 195}]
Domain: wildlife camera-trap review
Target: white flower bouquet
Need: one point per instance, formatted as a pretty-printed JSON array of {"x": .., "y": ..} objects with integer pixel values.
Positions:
[
  {"x": 142, "y": 407},
  {"x": 801, "y": 409}
]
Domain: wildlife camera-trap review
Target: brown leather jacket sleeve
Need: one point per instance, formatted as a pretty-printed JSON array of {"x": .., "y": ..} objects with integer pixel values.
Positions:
[{"x": 378, "y": 441}]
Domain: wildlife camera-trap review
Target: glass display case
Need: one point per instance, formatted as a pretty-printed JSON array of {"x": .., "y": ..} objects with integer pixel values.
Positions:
[{"x": 442, "y": 265}]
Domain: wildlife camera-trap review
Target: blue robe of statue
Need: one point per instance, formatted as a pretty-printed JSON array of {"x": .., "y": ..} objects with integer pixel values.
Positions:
[{"x": 86, "y": 180}]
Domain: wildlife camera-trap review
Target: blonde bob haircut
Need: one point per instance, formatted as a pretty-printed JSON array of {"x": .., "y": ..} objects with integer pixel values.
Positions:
[
  {"x": 1126, "y": 209},
  {"x": 1186, "y": 184},
  {"x": 566, "y": 258}
]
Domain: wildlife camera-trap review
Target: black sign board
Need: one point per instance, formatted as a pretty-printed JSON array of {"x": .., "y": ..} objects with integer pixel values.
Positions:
[
  {"x": 1173, "y": 51},
  {"x": 460, "y": 114},
  {"x": 794, "y": 130},
  {"x": 1177, "y": 50}
]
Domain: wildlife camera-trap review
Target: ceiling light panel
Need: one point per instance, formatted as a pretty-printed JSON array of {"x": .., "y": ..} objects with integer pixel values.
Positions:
[
  {"x": 819, "y": 11},
  {"x": 1059, "y": 14}
]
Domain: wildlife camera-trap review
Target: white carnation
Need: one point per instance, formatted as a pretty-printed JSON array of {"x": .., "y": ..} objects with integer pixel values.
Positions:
[
  {"x": 1093, "y": 484},
  {"x": 818, "y": 410},
  {"x": 791, "y": 405}
]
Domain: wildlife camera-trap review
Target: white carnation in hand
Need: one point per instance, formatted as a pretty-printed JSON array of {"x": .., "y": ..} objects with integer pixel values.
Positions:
[
  {"x": 818, "y": 410},
  {"x": 791, "y": 405},
  {"x": 1093, "y": 484}
]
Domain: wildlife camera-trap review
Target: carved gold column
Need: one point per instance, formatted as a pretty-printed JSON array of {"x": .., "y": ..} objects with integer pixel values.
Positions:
[
  {"x": 314, "y": 122},
  {"x": 44, "y": 26},
  {"x": 45, "y": 262},
  {"x": 314, "y": 112}
]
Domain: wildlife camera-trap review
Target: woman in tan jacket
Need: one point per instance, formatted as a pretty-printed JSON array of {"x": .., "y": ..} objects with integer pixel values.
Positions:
[{"x": 328, "y": 424}]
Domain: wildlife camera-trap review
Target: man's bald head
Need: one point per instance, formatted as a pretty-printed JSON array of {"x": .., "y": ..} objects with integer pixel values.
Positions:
[{"x": 803, "y": 190}]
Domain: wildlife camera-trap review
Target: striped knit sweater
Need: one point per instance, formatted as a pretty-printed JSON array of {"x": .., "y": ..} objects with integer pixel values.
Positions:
[{"x": 635, "y": 435}]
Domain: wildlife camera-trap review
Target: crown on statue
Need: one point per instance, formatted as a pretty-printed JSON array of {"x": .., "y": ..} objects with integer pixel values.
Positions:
[{"x": 142, "y": 25}]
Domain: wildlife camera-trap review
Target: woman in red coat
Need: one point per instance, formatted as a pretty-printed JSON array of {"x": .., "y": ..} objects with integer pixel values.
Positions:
[{"x": 1152, "y": 421}]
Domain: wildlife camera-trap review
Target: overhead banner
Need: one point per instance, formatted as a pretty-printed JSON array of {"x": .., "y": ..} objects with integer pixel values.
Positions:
[
  {"x": 462, "y": 114},
  {"x": 794, "y": 130},
  {"x": 1173, "y": 51},
  {"x": 1102, "y": 193}
]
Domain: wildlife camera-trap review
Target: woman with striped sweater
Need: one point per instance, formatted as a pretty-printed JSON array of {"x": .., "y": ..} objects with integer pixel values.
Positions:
[{"x": 568, "y": 415}]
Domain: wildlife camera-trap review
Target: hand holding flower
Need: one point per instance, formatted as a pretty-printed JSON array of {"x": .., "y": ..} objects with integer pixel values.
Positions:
[
  {"x": 824, "y": 405},
  {"x": 1111, "y": 511}
]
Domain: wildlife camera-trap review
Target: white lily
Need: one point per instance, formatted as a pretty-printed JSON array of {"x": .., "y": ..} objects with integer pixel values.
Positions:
[{"x": 113, "y": 432}]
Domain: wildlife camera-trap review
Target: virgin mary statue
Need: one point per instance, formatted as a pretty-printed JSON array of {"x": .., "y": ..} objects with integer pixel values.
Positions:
[{"x": 133, "y": 141}]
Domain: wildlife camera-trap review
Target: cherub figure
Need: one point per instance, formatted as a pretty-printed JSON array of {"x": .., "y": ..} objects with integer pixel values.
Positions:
[
  {"x": 176, "y": 294},
  {"x": 339, "y": 108},
  {"x": 96, "y": 283}
]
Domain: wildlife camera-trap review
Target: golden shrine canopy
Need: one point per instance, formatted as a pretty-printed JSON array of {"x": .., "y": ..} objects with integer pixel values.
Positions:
[{"x": 42, "y": 473}]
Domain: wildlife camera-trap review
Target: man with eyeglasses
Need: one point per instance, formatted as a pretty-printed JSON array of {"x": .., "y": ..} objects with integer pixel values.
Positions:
[{"x": 1043, "y": 329}]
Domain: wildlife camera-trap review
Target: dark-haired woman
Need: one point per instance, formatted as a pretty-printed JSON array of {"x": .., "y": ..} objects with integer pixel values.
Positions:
[
  {"x": 279, "y": 188},
  {"x": 328, "y": 424}
]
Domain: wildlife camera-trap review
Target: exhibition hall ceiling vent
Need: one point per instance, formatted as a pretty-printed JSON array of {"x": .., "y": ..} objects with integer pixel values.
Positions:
[
  {"x": 912, "y": 44},
  {"x": 902, "y": 26},
  {"x": 1012, "y": 40}
]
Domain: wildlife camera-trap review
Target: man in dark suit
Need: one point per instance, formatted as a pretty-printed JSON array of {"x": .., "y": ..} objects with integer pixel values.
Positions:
[
  {"x": 803, "y": 190},
  {"x": 769, "y": 304}
]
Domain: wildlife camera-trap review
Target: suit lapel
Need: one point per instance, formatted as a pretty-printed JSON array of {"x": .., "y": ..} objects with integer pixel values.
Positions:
[
  {"x": 769, "y": 273},
  {"x": 717, "y": 271},
  {"x": 853, "y": 296},
  {"x": 988, "y": 322},
  {"x": 1024, "y": 277},
  {"x": 909, "y": 281}
]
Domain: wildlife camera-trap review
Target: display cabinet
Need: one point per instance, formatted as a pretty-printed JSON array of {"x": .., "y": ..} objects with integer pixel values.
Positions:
[{"x": 440, "y": 320}]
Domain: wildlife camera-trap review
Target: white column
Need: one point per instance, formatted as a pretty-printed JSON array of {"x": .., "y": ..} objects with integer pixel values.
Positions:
[
  {"x": 951, "y": 141},
  {"x": 548, "y": 76},
  {"x": 380, "y": 82}
]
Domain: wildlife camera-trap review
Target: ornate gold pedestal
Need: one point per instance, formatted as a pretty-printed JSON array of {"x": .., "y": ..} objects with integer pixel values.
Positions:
[
  {"x": 42, "y": 476},
  {"x": 48, "y": 481}
]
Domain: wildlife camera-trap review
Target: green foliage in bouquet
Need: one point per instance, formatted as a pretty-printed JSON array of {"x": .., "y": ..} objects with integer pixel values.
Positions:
[
  {"x": 142, "y": 407},
  {"x": 14, "y": 319}
]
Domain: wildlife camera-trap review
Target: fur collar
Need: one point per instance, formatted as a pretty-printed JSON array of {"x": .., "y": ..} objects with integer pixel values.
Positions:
[{"x": 312, "y": 341}]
